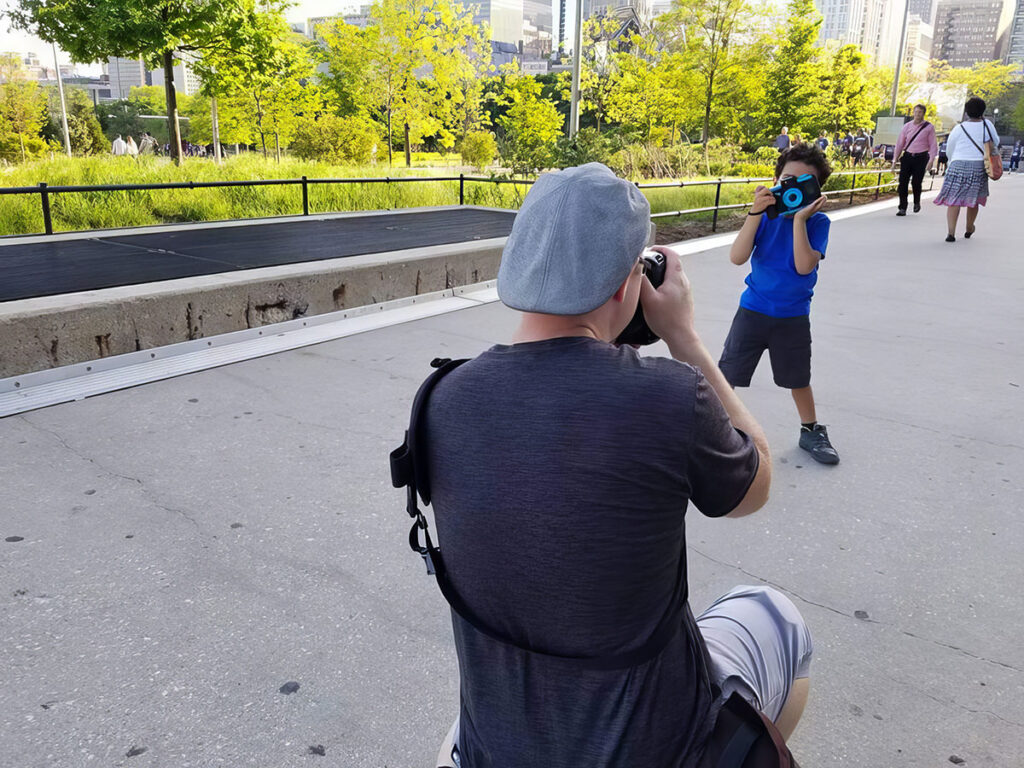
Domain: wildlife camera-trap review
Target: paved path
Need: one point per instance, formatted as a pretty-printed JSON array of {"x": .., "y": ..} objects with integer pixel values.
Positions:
[
  {"x": 65, "y": 265},
  {"x": 191, "y": 546}
]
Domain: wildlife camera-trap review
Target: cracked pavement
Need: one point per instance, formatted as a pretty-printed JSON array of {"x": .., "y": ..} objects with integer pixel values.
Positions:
[{"x": 189, "y": 546}]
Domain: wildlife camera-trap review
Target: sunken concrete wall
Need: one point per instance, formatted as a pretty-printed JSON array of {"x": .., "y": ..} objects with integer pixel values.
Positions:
[{"x": 47, "y": 332}]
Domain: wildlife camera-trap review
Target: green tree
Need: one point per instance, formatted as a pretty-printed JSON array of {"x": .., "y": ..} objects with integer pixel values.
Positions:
[
  {"x": 791, "y": 77},
  {"x": 22, "y": 113},
  {"x": 986, "y": 79},
  {"x": 639, "y": 98},
  {"x": 158, "y": 30},
  {"x": 530, "y": 125},
  {"x": 713, "y": 38},
  {"x": 381, "y": 69},
  {"x": 597, "y": 64},
  {"x": 843, "y": 97}
]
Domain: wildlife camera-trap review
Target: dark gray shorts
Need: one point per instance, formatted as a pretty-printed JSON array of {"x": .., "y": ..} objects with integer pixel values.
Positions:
[
  {"x": 787, "y": 339},
  {"x": 759, "y": 645}
]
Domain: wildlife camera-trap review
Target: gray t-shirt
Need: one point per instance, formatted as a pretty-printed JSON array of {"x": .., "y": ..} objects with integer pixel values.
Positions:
[{"x": 561, "y": 471}]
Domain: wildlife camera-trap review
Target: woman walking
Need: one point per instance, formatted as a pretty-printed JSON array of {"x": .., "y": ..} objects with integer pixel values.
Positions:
[{"x": 965, "y": 184}]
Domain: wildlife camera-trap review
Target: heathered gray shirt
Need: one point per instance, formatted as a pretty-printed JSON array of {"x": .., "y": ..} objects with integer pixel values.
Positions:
[{"x": 561, "y": 471}]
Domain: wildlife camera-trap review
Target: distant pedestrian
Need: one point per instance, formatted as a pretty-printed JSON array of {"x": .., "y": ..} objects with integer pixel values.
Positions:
[
  {"x": 1015, "y": 156},
  {"x": 133, "y": 149},
  {"x": 966, "y": 182},
  {"x": 822, "y": 141},
  {"x": 861, "y": 147},
  {"x": 940, "y": 166},
  {"x": 782, "y": 140},
  {"x": 916, "y": 150},
  {"x": 119, "y": 147},
  {"x": 147, "y": 145}
]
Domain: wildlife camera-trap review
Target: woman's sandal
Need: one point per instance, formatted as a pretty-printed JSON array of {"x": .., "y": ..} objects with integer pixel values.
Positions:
[
  {"x": 950, "y": 239},
  {"x": 969, "y": 232}
]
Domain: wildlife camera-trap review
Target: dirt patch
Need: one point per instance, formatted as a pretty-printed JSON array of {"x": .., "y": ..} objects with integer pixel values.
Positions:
[{"x": 729, "y": 221}]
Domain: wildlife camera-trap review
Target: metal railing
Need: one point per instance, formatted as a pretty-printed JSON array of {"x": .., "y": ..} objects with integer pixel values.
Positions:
[{"x": 45, "y": 191}]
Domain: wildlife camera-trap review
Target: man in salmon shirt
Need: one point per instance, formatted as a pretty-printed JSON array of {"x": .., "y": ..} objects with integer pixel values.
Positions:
[{"x": 916, "y": 150}]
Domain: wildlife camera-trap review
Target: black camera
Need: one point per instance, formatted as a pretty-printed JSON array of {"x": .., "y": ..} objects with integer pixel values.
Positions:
[
  {"x": 793, "y": 194},
  {"x": 638, "y": 332}
]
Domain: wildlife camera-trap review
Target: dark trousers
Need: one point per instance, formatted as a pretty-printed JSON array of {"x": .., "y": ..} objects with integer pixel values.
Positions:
[{"x": 912, "y": 169}]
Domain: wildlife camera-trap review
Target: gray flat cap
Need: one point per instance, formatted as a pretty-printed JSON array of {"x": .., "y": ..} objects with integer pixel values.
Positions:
[{"x": 573, "y": 242}]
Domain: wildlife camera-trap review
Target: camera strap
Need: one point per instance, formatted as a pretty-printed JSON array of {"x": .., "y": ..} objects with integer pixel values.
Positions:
[{"x": 409, "y": 470}]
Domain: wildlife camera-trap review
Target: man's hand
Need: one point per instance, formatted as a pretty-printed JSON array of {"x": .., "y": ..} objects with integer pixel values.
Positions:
[
  {"x": 805, "y": 213},
  {"x": 763, "y": 199},
  {"x": 668, "y": 309},
  {"x": 892, "y": 168}
]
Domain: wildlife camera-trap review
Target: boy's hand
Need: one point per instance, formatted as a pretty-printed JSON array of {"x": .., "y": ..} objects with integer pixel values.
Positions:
[
  {"x": 763, "y": 199},
  {"x": 805, "y": 213}
]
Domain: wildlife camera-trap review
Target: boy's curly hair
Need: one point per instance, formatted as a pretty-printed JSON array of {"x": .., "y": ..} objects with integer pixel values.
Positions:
[{"x": 805, "y": 153}]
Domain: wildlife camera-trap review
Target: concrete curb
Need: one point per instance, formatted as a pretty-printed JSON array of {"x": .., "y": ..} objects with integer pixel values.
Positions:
[{"x": 46, "y": 332}]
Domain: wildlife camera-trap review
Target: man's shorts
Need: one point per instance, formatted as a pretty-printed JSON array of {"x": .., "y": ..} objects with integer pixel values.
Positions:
[
  {"x": 758, "y": 644},
  {"x": 787, "y": 339}
]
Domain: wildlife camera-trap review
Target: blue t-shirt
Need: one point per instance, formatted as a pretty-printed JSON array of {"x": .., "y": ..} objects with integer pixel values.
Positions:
[{"x": 774, "y": 287}]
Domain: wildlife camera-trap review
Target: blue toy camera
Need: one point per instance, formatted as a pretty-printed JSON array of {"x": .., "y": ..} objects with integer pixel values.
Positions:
[{"x": 793, "y": 194}]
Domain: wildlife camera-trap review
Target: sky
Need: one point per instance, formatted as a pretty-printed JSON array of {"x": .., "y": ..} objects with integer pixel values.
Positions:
[{"x": 16, "y": 41}]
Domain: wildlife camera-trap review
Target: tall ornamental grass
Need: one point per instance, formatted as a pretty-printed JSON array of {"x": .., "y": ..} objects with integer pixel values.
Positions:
[{"x": 22, "y": 214}]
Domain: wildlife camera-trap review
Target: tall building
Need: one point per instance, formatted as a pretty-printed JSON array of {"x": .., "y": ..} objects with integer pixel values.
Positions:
[
  {"x": 842, "y": 20},
  {"x": 919, "y": 45},
  {"x": 874, "y": 26},
  {"x": 925, "y": 10},
  {"x": 126, "y": 74},
  {"x": 186, "y": 81},
  {"x": 505, "y": 18},
  {"x": 593, "y": 8},
  {"x": 969, "y": 31},
  {"x": 1015, "y": 49},
  {"x": 538, "y": 29}
]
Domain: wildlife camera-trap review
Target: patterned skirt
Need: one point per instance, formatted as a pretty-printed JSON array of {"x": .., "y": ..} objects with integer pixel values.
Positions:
[{"x": 965, "y": 184}]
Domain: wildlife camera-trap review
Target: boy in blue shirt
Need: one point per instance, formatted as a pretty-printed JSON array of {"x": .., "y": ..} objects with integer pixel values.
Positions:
[{"x": 774, "y": 312}]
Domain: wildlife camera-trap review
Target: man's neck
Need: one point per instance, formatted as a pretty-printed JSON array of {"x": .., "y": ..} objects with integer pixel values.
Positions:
[{"x": 535, "y": 327}]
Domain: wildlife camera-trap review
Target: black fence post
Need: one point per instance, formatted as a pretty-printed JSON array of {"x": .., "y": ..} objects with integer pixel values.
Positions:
[
  {"x": 878, "y": 186},
  {"x": 462, "y": 189},
  {"x": 44, "y": 198},
  {"x": 718, "y": 198},
  {"x": 305, "y": 197},
  {"x": 853, "y": 186}
]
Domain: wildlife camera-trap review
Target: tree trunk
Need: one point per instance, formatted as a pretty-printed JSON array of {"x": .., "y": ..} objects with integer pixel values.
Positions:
[
  {"x": 389, "y": 139},
  {"x": 706, "y": 134},
  {"x": 408, "y": 149},
  {"x": 277, "y": 146},
  {"x": 173, "y": 127},
  {"x": 21, "y": 137},
  {"x": 215, "y": 130}
]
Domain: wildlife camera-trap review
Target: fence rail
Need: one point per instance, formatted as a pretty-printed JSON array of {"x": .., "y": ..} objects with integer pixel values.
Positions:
[{"x": 45, "y": 191}]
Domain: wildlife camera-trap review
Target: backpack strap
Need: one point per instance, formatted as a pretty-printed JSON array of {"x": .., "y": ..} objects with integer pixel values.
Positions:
[{"x": 409, "y": 470}]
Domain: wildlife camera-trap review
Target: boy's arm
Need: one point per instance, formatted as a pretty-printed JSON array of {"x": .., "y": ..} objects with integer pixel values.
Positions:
[
  {"x": 805, "y": 258},
  {"x": 744, "y": 242}
]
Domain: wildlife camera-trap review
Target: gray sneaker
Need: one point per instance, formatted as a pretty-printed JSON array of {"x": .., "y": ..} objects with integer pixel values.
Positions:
[{"x": 815, "y": 442}]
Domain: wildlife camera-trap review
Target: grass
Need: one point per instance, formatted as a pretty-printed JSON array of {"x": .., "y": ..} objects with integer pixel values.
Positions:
[{"x": 22, "y": 214}]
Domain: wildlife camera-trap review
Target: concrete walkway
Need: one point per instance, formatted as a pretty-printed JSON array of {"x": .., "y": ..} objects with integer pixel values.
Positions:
[{"x": 187, "y": 548}]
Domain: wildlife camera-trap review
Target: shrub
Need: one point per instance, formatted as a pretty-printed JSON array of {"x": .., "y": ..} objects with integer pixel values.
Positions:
[
  {"x": 335, "y": 139},
  {"x": 587, "y": 146},
  {"x": 478, "y": 148}
]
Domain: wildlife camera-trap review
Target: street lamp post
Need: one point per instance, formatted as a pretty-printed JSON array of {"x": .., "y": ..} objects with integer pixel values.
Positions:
[
  {"x": 63, "y": 104},
  {"x": 577, "y": 54},
  {"x": 899, "y": 58}
]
